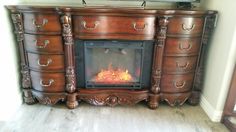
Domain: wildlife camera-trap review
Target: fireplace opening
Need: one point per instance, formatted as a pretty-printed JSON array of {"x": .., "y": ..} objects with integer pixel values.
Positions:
[{"x": 113, "y": 64}]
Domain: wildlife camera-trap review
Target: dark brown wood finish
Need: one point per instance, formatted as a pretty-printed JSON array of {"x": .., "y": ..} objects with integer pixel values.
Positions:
[
  {"x": 182, "y": 46},
  {"x": 157, "y": 62},
  {"x": 48, "y": 82},
  {"x": 69, "y": 60},
  {"x": 25, "y": 80},
  {"x": 46, "y": 62},
  {"x": 99, "y": 26},
  {"x": 43, "y": 44},
  {"x": 177, "y": 35},
  {"x": 42, "y": 23}
]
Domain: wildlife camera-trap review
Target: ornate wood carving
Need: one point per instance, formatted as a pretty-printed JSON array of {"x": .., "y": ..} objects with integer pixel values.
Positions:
[
  {"x": 113, "y": 98},
  {"x": 69, "y": 53},
  {"x": 158, "y": 55},
  {"x": 18, "y": 25},
  {"x": 198, "y": 79},
  {"x": 157, "y": 62},
  {"x": 25, "y": 79},
  {"x": 175, "y": 99},
  {"x": 49, "y": 98}
]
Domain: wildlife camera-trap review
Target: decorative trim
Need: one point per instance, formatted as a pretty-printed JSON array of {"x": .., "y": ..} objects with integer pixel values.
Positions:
[
  {"x": 158, "y": 55},
  {"x": 213, "y": 114},
  {"x": 175, "y": 99},
  {"x": 49, "y": 98},
  {"x": 70, "y": 76},
  {"x": 69, "y": 53},
  {"x": 113, "y": 99}
]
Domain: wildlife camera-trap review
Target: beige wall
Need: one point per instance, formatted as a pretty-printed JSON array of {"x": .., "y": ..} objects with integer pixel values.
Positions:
[
  {"x": 221, "y": 57},
  {"x": 10, "y": 97}
]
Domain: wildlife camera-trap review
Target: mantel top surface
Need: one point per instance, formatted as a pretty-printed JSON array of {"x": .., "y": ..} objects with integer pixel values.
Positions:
[{"x": 106, "y": 9}]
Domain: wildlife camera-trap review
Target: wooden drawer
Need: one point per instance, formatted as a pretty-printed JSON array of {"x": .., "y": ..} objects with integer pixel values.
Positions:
[
  {"x": 179, "y": 64},
  {"x": 176, "y": 83},
  {"x": 48, "y": 82},
  {"x": 114, "y": 25},
  {"x": 182, "y": 46},
  {"x": 41, "y": 23},
  {"x": 185, "y": 25},
  {"x": 46, "y": 62},
  {"x": 43, "y": 43}
]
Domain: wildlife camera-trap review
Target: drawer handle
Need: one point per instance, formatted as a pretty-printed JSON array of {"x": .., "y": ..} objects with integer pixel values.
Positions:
[
  {"x": 40, "y": 25},
  {"x": 44, "y": 65},
  {"x": 179, "y": 84},
  {"x": 96, "y": 23},
  {"x": 139, "y": 29},
  {"x": 181, "y": 46},
  {"x": 45, "y": 43},
  {"x": 188, "y": 27},
  {"x": 182, "y": 66},
  {"x": 49, "y": 83}
]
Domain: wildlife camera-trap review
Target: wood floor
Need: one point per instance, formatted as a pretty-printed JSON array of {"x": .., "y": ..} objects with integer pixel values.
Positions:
[{"x": 87, "y": 118}]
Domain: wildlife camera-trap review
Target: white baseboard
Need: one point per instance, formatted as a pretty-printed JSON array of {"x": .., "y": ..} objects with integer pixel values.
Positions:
[{"x": 213, "y": 114}]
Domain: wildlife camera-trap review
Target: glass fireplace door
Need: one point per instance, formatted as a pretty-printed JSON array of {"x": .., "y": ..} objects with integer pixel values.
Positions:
[{"x": 113, "y": 64}]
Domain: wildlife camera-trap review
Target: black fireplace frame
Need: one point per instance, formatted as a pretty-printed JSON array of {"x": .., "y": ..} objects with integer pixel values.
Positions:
[{"x": 146, "y": 48}]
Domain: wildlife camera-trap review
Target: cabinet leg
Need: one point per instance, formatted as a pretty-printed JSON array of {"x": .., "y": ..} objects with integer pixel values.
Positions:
[
  {"x": 72, "y": 101},
  {"x": 153, "y": 101},
  {"x": 28, "y": 97},
  {"x": 194, "y": 98}
]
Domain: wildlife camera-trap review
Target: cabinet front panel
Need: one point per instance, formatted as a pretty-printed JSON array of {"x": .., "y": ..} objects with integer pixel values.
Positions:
[
  {"x": 48, "y": 82},
  {"x": 43, "y": 44},
  {"x": 182, "y": 46},
  {"x": 46, "y": 62},
  {"x": 176, "y": 83},
  {"x": 114, "y": 25},
  {"x": 42, "y": 23},
  {"x": 185, "y": 25},
  {"x": 179, "y": 64}
]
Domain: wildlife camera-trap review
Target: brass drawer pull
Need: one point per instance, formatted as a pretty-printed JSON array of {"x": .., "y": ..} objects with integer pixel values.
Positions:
[
  {"x": 40, "y": 25},
  {"x": 182, "y": 47},
  {"x": 49, "y": 83},
  {"x": 179, "y": 84},
  {"x": 138, "y": 29},
  {"x": 45, "y": 43},
  {"x": 188, "y": 27},
  {"x": 84, "y": 23},
  {"x": 182, "y": 66},
  {"x": 44, "y": 65}
]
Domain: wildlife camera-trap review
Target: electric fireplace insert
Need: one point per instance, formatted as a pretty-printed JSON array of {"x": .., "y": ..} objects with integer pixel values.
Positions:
[{"x": 113, "y": 64}]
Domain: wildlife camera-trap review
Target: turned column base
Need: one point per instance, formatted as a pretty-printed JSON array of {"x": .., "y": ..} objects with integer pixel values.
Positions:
[
  {"x": 153, "y": 102},
  {"x": 71, "y": 101}
]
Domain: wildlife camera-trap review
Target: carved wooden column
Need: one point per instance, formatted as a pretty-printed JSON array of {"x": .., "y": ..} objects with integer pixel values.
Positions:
[
  {"x": 26, "y": 81},
  {"x": 199, "y": 73},
  {"x": 157, "y": 62},
  {"x": 69, "y": 61}
]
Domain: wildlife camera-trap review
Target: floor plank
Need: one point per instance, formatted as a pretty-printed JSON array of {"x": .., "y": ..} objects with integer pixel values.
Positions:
[{"x": 87, "y": 118}]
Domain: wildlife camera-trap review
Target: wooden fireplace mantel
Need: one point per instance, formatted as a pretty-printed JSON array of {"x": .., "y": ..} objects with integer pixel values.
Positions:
[{"x": 45, "y": 37}]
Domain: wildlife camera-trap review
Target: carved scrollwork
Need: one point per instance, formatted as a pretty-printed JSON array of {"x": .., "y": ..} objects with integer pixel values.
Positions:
[
  {"x": 26, "y": 83},
  {"x": 67, "y": 30},
  {"x": 113, "y": 99},
  {"x": 69, "y": 42},
  {"x": 157, "y": 65},
  {"x": 70, "y": 78},
  {"x": 49, "y": 98}
]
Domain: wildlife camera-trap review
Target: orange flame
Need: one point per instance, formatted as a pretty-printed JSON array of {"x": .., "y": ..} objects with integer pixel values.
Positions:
[{"x": 111, "y": 75}]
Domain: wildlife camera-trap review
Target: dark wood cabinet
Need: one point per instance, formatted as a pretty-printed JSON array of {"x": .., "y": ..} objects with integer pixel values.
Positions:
[{"x": 47, "y": 38}]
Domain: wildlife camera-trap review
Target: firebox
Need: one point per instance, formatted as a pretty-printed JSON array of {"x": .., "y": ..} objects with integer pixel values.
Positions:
[{"x": 113, "y": 64}]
